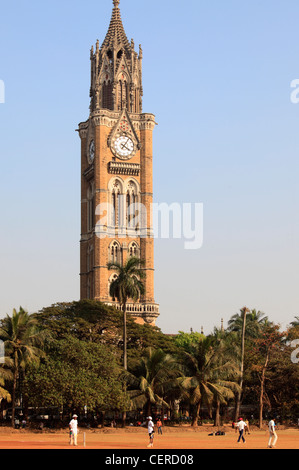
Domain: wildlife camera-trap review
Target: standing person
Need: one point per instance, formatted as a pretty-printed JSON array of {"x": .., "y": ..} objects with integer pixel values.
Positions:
[
  {"x": 247, "y": 429},
  {"x": 272, "y": 434},
  {"x": 73, "y": 430},
  {"x": 150, "y": 428},
  {"x": 241, "y": 425},
  {"x": 159, "y": 426}
]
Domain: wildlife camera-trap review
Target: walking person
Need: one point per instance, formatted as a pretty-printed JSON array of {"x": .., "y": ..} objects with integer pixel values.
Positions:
[
  {"x": 159, "y": 426},
  {"x": 241, "y": 425},
  {"x": 73, "y": 426},
  {"x": 150, "y": 428},
  {"x": 247, "y": 429},
  {"x": 272, "y": 434}
]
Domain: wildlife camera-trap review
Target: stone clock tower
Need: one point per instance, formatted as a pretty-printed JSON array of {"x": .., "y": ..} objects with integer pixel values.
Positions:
[{"x": 116, "y": 172}]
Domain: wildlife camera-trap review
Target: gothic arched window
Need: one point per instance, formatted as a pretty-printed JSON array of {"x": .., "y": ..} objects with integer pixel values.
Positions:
[
  {"x": 107, "y": 95},
  {"x": 132, "y": 199},
  {"x": 133, "y": 250},
  {"x": 114, "y": 255},
  {"x": 122, "y": 95},
  {"x": 116, "y": 202},
  {"x": 111, "y": 279}
]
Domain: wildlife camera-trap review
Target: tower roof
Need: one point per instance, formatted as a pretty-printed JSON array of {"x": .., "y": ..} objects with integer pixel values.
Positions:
[{"x": 116, "y": 35}]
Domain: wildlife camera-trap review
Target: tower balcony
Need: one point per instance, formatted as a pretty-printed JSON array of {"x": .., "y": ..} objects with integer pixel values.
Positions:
[
  {"x": 148, "y": 312},
  {"x": 123, "y": 168}
]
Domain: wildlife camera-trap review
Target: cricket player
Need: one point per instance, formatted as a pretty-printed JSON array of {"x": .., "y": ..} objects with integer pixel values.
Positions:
[
  {"x": 150, "y": 428},
  {"x": 73, "y": 425},
  {"x": 272, "y": 434}
]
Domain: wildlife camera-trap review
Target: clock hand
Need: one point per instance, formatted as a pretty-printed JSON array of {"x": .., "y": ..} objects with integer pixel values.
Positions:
[{"x": 124, "y": 145}]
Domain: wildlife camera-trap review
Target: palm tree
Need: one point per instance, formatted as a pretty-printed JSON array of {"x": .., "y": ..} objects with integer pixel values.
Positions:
[
  {"x": 127, "y": 285},
  {"x": 296, "y": 322},
  {"x": 226, "y": 378},
  {"x": 5, "y": 375},
  {"x": 204, "y": 381},
  {"x": 255, "y": 320},
  {"x": 157, "y": 377},
  {"x": 247, "y": 323},
  {"x": 23, "y": 342}
]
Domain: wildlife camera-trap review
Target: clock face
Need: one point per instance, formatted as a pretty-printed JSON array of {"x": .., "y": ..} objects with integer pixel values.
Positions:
[
  {"x": 91, "y": 151},
  {"x": 123, "y": 146}
]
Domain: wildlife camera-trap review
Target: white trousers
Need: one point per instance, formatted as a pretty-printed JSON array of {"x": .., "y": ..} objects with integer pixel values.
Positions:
[
  {"x": 272, "y": 437},
  {"x": 73, "y": 438}
]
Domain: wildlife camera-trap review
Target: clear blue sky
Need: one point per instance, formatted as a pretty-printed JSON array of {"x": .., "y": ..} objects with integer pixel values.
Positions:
[{"x": 217, "y": 76}]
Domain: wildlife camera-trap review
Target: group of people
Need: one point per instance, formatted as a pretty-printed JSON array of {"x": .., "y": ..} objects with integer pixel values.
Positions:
[
  {"x": 243, "y": 428},
  {"x": 73, "y": 430}
]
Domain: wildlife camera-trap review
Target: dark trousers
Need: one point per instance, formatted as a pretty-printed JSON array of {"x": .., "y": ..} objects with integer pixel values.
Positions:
[
  {"x": 241, "y": 435},
  {"x": 160, "y": 430}
]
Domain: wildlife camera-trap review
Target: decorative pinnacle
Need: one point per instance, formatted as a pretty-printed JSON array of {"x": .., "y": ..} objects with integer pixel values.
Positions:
[{"x": 116, "y": 3}]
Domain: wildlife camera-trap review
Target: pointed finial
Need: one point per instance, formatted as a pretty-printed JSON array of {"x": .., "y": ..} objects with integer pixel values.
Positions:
[{"x": 115, "y": 3}]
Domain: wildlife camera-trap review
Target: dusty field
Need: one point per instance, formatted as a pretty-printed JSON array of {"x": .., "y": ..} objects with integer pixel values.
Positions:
[{"x": 137, "y": 438}]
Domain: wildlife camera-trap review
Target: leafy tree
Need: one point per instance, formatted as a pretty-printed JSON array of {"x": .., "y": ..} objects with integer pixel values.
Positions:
[
  {"x": 261, "y": 354},
  {"x": 188, "y": 341},
  {"x": 85, "y": 319},
  {"x": 91, "y": 320},
  {"x": 76, "y": 373}
]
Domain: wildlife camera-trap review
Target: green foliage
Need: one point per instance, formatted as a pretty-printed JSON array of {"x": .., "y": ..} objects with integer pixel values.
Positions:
[
  {"x": 76, "y": 373},
  {"x": 128, "y": 284},
  {"x": 71, "y": 354},
  {"x": 188, "y": 341},
  {"x": 156, "y": 377}
]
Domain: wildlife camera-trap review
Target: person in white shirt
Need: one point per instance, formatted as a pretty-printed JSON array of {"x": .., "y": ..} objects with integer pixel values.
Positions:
[
  {"x": 150, "y": 428},
  {"x": 272, "y": 434},
  {"x": 73, "y": 425},
  {"x": 241, "y": 425}
]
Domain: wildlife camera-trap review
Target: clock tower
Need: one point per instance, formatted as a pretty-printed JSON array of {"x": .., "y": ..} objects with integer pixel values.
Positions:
[{"x": 116, "y": 172}]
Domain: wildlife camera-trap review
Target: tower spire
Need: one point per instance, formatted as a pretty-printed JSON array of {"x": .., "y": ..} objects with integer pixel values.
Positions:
[{"x": 116, "y": 35}]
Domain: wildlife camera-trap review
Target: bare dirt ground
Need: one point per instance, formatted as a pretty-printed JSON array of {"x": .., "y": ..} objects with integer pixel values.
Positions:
[{"x": 137, "y": 438}]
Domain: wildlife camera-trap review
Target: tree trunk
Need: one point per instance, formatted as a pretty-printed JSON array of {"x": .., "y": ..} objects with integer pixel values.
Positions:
[
  {"x": 261, "y": 400},
  {"x": 103, "y": 419},
  {"x": 149, "y": 408},
  {"x": 238, "y": 402},
  {"x": 125, "y": 335},
  {"x": 124, "y": 415},
  {"x": 196, "y": 416},
  {"x": 217, "y": 414},
  {"x": 13, "y": 401}
]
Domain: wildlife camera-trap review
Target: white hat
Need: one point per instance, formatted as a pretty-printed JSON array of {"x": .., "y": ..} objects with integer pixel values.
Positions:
[
  {"x": 75, "y": 416},
  {"x": 149, "y": 417}
]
